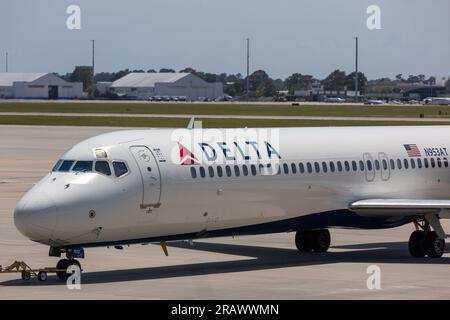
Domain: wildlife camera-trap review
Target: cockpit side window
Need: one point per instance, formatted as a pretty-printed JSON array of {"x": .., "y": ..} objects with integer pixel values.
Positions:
[
  {"x": 83, "y": 166},
  {"x": 120, "y": 168},
  {"x": 103, "y": 167},
  {"x": 65, "y": 165},
  {"x": 57, "y": 165}
]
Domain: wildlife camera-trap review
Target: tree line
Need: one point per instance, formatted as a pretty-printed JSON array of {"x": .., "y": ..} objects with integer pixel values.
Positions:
[{"x": 262, "y": 85}]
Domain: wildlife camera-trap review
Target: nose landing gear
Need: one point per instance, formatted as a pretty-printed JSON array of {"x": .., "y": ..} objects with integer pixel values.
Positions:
[{"x": 64, "y": 264}]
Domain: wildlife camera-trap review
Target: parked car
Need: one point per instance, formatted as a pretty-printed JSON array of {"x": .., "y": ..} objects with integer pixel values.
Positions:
[
  {"x": 334, "y": 100},
  {"x": 224, "y": 98},
  {"x": 374, "y": 102}
]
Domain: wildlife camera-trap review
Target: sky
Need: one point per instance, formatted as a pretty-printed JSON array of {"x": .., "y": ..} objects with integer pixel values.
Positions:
[{"x": 306, "y": 36}]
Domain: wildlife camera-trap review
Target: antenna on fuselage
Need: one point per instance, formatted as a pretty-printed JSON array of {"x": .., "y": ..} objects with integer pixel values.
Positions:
[
  {"x": 191, "y": 123},
  {"x": 194, "y": 124}
]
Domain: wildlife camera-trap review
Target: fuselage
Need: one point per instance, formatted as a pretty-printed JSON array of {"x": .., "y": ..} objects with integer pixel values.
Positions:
[{"x": 164, "y": 184}]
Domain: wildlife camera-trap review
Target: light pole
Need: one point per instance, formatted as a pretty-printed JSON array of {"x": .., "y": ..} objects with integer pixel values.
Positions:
[
  {"x": 6, "y": 61},
  {"x": 248, "y": 69},
  {"x": 93, "y": 60},
  {"x": 356, "y": 68}
]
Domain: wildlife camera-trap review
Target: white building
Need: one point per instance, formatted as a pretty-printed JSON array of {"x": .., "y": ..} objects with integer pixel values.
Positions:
[
  {"x": 38, "y": 86},
  {"x": 142, "y": 86}
]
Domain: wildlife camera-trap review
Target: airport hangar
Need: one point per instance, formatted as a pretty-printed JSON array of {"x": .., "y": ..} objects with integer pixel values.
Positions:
[
  {"x": 37, "y": 86},
  {"x": 142, "y": 86}
]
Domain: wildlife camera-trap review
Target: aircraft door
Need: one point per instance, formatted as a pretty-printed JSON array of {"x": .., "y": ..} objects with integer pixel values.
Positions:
[
  {"x": 151, "y": 176},
  {"x": 384, "y": 163},
  {"x": 369, "y": 167}
]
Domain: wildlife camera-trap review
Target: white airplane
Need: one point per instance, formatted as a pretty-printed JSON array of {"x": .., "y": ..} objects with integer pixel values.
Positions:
[
  {"x": 157, "y": 185},
  {"x": 437, "y": 101}
]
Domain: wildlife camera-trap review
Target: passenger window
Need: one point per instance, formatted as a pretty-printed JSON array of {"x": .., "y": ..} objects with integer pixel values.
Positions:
[
  {"x": 301, "y": 167},
  {"x": 406, "y": 164},
  {"x": 439, "y": 162},
  {"x": 317, "y": 167},
  {"x": 120, "y": 168},
  {"x": 354, "y": 166},
  {"x": 83, "y": 166},
  {"x": 369, "y": 165},
  {"x": 377, "y": 165},
  {"x": 385, "y": 164},
  {"x": 392, "y": 164},
  {"x": 347, "y": 166},
  {"x": 399, "y": 164},
  {"x": 419, "y": 163},
  {"x": 219, "y": 172},
  {"x": 253, "y": 169},
  {"x": 57, "y": 165},
  {"x": 413, "y": 164},
  {"x": 211, "y": 172},
  {"x": 236, "y": 171},
  {"x": 309, "y": 166},
  {"x": 228, "y": 171},
  {"x": 293, "y": 168},
  {"x": 332, "y": 167},
  {"x": 285, "y": 168},
  {"x": 193, "y": 173},
  {"x": 324, "y": 167},
  {"x": 433, "y": 164},
  {"x": 339, "y": 165},
  {"x": 202, "y": 172},
  {"x": 425, "y": 163},
  {"x": 245, "y": 170},
  {"x": 446, "y": 162},
  {"x": 66, "y": 165},
  {"x": 361, "y": 165},
  {"x": 103, "y": 167}
]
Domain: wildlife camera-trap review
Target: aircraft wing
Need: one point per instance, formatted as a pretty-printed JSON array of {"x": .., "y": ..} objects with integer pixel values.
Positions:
[{"x": 399, "y": 207}]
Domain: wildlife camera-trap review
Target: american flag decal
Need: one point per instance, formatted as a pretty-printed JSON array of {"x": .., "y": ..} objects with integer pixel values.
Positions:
[{"x": 412, "y": 150}]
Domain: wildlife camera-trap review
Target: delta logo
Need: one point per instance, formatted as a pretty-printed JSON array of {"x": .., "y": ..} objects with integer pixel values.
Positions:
[
  {"x": 187, "y": 158},
  {"x": 232, "y": 152}
]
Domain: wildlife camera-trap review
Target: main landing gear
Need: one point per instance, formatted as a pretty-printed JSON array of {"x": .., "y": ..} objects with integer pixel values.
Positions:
[
  {"x": 425, "y": 242},
  {"x": 313, "y": 240}
]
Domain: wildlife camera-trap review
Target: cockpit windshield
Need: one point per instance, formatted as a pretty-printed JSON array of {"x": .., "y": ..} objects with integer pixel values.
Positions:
[
  {"x": 63, "y": 165},
  {"x": 83, "y": 166},
  {"x": 101, "y": 166}
]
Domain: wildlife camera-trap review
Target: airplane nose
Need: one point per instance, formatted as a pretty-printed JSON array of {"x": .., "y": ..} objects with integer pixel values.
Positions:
[{"x": 35, "y": 216}]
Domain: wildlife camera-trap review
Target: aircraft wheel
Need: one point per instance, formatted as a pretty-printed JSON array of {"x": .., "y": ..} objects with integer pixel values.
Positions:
[
  {"x": 321, "y": 240},
  {"x": 434, "y": 247},
  {"x": 417, "y": 244},
  {"x": 64, "y": 264},
  {"x": 26, "y": 276},
  {"x": 42, "y": 276},
  {"x": 303, "y": 241}
]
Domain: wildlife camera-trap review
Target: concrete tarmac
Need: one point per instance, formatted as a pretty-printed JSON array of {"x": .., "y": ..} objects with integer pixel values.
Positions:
[{"x": 251, "y": 267}]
